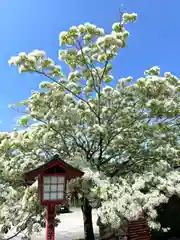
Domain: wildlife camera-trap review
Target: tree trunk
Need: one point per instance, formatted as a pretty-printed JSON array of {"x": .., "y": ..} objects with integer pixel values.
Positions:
[{"x": 87, "y": 216}]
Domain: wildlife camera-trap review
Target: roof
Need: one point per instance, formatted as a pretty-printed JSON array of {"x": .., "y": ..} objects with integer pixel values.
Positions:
[{"x": 55, "y": 160}]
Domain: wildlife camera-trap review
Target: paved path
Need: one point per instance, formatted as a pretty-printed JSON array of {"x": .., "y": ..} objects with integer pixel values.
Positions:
[{"x": 70, "y": 228}]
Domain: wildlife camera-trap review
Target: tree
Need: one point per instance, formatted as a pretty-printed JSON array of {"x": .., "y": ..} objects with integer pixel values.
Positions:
[
  {"x": 91, "y": 52},
  {"x": 139, "y": 195},
  {"x": 91, "y": 120}
]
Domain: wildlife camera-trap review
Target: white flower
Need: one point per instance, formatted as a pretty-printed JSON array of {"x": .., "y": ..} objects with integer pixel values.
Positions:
[
  {"x": 22, "y": 54},
  {"x": 139, "y": 185},
  {"x": 37, "y": 53},
  {"x": 154, "y": 71},
  {"x": 100, "y": 31},
  {"x": 22, "y": 69},
  {"x": 81, "y": 28},
  {"x": 62, "y": 34},
  {"x": 100, "y": 40},
  {"x": 171, "y": 190},
  {"x": 13, "y": 60},
  {"x": 90, "y": 26},
  {"x": 129, "y": 17},
  {"x": 107, "y": 89},
  {"x": 32, "y": 59},
  {"x": 115, "y": 25}
]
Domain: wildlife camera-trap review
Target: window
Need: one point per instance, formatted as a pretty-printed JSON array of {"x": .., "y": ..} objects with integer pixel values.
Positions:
[{"x": 54, "y": 187}]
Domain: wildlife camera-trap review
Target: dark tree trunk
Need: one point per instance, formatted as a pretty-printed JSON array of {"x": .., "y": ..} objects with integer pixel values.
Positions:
[{"x": 87, "y": 216}]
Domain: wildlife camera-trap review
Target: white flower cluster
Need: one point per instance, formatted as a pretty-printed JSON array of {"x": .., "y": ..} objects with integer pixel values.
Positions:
[
  {"x": 35, "y": 61},
  {"x": 131, "y": 198},
  {"x": 90, "y": 185},
  {"x": 129, "y": 17},
  {"x": 88, "y": 31},
  {"x": 97, "y": 46},
  {"x": 154, "y": 71}
]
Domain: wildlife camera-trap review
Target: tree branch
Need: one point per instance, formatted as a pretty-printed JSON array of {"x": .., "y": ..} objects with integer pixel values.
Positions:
[
  {"x": 20, "y": 231},
  {"x": 67, "y": 89},
  {"x": 13, "y": 236}
]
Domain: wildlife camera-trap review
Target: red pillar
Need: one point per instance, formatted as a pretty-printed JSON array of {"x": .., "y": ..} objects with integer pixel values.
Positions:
[{"x": 50, "y": 222}]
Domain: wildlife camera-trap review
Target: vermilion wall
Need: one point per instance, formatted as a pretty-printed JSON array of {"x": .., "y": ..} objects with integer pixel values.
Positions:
[{"x": 138, "y": 230}]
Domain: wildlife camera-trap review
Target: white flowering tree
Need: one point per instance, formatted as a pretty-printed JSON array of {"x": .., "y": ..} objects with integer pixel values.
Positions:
[
  {"x": 89, "y": 119},
  {"x": 139, "y": 195}
]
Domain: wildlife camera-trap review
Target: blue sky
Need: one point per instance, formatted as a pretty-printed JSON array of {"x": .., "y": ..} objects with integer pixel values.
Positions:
[{"x": 36, "y": 24}]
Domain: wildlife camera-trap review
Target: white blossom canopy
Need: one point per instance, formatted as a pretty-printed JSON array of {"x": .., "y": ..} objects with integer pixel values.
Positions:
[{"x": 94, "y": 122}]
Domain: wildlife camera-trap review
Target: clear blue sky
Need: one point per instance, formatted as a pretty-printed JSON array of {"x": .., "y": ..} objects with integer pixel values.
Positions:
[{"x": 35, "y": 24}]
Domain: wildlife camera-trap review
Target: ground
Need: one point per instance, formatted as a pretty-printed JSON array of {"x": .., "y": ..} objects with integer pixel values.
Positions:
[{"x": 70, "y": 228}]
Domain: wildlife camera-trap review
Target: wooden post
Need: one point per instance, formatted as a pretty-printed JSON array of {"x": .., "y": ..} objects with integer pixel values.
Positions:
[{"x": 50, "y": 222}]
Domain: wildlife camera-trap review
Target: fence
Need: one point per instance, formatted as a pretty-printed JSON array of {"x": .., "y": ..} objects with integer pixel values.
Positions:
[{"x": 137, "y": 230}]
